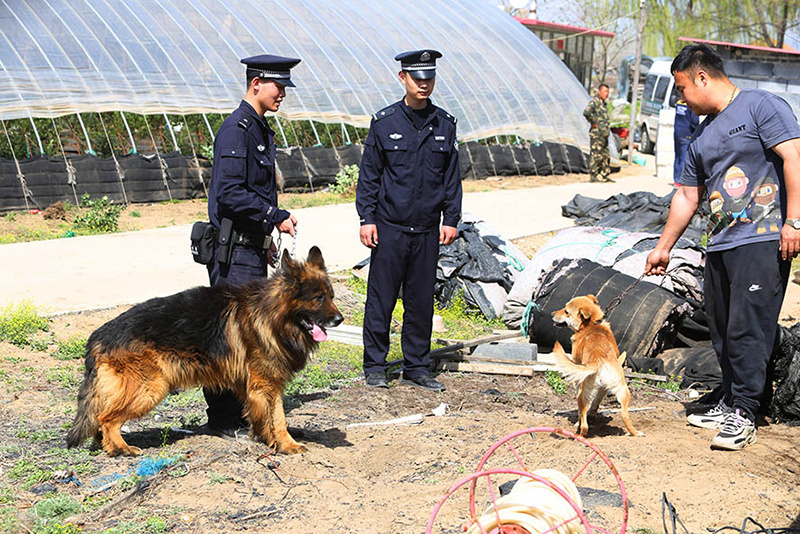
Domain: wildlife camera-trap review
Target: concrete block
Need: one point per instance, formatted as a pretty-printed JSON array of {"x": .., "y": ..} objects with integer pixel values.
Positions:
[
  {"x": 512, "y": 351},
  {"x": 745, "y": 83},
  {"x": 786, "y": 71},
  {"x": 772, "y": 86},
  {"x": 734, "y": 68},
  {"x": 793, "y": 88},
  {"x": 753, "y": 69}
]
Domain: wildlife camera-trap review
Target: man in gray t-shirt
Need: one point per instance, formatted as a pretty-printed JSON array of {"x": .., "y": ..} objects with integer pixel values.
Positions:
[{"x": 746, "y": 157}]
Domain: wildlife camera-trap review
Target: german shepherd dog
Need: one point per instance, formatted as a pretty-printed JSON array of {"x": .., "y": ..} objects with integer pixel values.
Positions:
[
  {"x": 250, "y": 339},
  {"x": 596, "y": 362}
]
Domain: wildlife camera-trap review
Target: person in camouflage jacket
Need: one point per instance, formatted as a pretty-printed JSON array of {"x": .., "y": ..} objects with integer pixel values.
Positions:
[{"x": 596, "y": 113}]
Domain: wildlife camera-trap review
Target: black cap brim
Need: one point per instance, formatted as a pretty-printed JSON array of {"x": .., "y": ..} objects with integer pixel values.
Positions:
[
  {"x": 280, "y": 81},
  {"x": 422, "y": 74}
]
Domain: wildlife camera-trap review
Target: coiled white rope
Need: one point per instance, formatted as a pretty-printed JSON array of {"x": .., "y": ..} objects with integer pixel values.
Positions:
[{"x": 535, "y": 506}]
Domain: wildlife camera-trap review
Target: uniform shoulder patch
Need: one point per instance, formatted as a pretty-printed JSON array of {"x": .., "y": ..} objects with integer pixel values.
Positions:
[
  {"x": 445, "y": 115},
  {"x": 245, "y": 122},
  {"x": 385, "y": 112}
]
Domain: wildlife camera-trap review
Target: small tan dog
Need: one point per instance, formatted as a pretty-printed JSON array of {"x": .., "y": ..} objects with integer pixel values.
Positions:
[{"x": 596, "y": 363}]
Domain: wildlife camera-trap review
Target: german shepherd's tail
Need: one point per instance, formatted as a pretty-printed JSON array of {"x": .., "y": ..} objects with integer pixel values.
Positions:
[
  {"x": 85, "y": 423},
  {"x": 576, "y": 372}
]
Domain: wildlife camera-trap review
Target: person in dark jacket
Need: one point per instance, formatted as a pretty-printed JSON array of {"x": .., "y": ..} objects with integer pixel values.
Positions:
[
  {"x": 243, "y": 203},
  {"x": 686, "y": 122},
  {"x": 409, "y": 184}
]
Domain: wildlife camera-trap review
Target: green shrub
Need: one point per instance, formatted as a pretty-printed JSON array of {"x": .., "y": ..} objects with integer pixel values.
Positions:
[
  {"x": 346, "y": 181},
  {"x": 57, "y": 507},
  {"x": 555, "y": 381},
  {"x": 20, "y": 321},
  {"x": 101, "y": 215},
  {"x": 72, "y": 349}
]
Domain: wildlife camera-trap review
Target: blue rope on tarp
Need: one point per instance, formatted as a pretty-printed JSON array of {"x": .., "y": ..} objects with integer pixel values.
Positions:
[{"x": 526, "y": 315}]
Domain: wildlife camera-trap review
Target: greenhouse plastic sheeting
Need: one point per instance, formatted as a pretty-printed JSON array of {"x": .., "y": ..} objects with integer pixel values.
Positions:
[{"x": 182, "y": 56}]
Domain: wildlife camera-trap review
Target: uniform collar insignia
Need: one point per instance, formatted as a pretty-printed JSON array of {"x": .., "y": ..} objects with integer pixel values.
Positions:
[
  {"x": 439, "y": 137},
  {"x": 261, "y": 148},
  {"x": 396, "y": 136}
]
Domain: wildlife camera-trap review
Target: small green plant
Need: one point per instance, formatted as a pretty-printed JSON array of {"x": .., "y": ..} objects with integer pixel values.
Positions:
[
  {"x": 346, "y": 181},
  {"x": 218, "y": 479},
  {"x": 6, "y": 495},
  {"x": 11, "y": 217},
  {"x": 29, "y": 473},
  {"x": 58, "y": 528},
  {"x": 57, "y": 507},
  {"x": 555, "y": 381},
  {"x": 15, "y": 359},
  {"x": 18, "y": 322},
  {"x": 148, "y": 525},
  {"x": 136, "y": 214},
  {"x": 100, "y": 215},
  {"x": 72, "y": 349},
  {"x": 63, "y": 376}
]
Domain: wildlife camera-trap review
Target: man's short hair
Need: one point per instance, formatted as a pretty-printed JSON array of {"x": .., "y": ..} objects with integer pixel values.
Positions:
[
  {"x": 603, "y": 85},
  {"x": 250, "y": 77},
  {"x": 695, "y": 57}
]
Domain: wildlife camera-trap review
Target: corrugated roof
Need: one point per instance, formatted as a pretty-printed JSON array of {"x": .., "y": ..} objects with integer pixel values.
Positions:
[{"x": 566, "y": 28}]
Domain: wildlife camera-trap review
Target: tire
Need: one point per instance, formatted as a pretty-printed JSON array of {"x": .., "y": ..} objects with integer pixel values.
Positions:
[
  {"x": 646, "y": 146},
  {"x": 618, "y": 142}
]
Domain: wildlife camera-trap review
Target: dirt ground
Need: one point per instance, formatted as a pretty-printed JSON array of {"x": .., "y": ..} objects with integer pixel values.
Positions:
[{"x": 383, "y": 478}]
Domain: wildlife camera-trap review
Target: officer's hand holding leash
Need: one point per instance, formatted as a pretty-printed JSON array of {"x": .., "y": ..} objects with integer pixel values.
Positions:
[
  {"x": 447, "y": 235},
  {"x": 287, "y": 226},
  {"x": 657, "y": 261},
  {"x": 369, "y": 235}
]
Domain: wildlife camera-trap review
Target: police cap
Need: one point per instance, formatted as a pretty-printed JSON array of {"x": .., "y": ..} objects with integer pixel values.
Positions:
[
  {"x": 269, "y": 67},
  {"x": 420, "y": 64}
]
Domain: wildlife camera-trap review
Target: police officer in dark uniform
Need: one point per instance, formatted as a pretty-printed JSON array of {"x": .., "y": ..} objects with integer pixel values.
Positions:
[
  {"x": 409, "y": 183},
  {"x": 686, "y": 122},
  {"x": 243, "y": 203}
]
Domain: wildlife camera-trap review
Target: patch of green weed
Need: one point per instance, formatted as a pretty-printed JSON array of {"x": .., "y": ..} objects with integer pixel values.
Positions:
[
  {"x": 100, "y": 215},
  {"x": 346, "y": 182},
  {"x": 148, "y": 525},
  {"x": 555, "y": 381},
  {"x": 64, "y": 376},
  {"x": 18, "y": 322},
  {"x": 463, "y": 323},
  {"x": 136, "y": 214},
  {"x": 72, "y": 349},
  {"x": 57, "y": 507},
  {"x": 29, "y": 473}
]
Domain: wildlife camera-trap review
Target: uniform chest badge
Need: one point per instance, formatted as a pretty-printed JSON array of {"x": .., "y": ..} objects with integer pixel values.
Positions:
[
  {"x": 396, "y": 136},
  {"x": 439, "y": 137},
  {"x": 261, "y": 148}
]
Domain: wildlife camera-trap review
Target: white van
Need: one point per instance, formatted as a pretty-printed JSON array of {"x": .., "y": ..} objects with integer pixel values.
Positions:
[{"x": 659, "y": 93}]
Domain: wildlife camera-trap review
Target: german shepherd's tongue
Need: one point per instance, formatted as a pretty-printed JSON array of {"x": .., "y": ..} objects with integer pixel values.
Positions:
[{"x": 318, "y": 334}]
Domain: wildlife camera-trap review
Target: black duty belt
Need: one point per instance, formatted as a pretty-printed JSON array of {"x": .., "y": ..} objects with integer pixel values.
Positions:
[{"x": 252, "y": 240}]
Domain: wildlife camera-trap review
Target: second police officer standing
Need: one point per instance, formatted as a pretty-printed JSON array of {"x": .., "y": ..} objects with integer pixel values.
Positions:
[
  {"x": 243, "y": 203},
  {"x": 409, "y": 184}
]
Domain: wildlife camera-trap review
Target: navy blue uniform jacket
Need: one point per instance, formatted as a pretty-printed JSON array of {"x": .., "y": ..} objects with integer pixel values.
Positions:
[
  {"x": 410, "y": 178},
  {"x": 243, "y": 186}
]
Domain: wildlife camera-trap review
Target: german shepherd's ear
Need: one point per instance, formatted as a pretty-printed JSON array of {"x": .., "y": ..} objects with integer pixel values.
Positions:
[
  {"x": 315, "y": 258},
  {"x": 287, "y": 263}
]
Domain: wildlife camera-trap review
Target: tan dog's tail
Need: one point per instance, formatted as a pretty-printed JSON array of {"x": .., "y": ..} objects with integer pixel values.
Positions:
[
  {"x": 85, "y": 424},
  {"x": 573, "y": 372}
]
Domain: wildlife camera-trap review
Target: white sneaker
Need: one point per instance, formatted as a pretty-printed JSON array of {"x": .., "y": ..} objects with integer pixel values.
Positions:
[
  {"x": 737, "y": 433},
  {"x": 713, "y": 418}
]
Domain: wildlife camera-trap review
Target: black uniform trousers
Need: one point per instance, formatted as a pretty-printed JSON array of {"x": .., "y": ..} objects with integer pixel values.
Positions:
[
  {"x": 744, "y": 289},
  {"x": 247, "y": 263},
  {"x": 409, "y": 259}
]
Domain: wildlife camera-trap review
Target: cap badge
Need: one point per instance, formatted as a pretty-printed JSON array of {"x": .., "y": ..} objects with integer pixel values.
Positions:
[
  {"x": 425, "y": 56},
  {"x": 395, "y": 136},
  {"x": 261, "y": 148}
]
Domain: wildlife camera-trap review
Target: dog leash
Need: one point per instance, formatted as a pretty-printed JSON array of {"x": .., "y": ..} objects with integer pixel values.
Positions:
[
  {"x": 279, "y": 241},
  {"x": 614, "y": 303}
]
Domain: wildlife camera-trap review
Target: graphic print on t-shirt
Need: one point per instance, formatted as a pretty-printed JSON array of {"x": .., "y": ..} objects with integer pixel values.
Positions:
[{"x": 735, "y": 204}]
